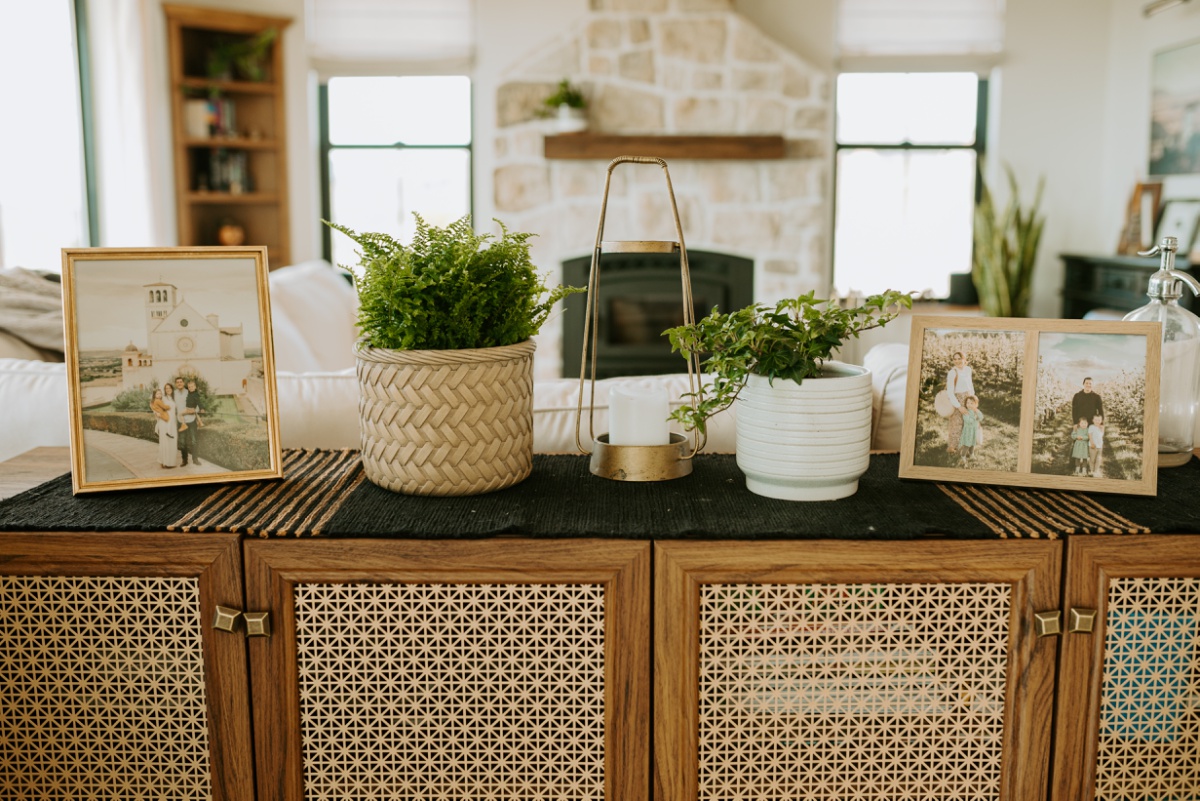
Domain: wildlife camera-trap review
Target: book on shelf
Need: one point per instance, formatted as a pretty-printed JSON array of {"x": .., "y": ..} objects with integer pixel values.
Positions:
[{"x": 228, "y": 171}]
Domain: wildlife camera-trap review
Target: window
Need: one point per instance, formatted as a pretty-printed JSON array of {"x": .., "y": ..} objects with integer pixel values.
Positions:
[
  {"x": 392, "y": 146},
  {"x": 908, "y": 149},
  {"x": 43, "y": 198}
]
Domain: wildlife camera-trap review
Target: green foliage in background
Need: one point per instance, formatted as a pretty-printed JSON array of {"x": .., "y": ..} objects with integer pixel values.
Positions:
[
  {"x": 790, "y": 341},
  {"x": 566, "y": 95},
  {"x": 135, "y": 399},
  {"x": 1006, "y": 246},
  {"x": 450, "y": 289},
  {"x": 247, "y": 54}
]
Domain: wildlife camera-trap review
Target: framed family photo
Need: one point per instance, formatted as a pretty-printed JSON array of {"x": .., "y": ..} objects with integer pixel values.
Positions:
[
  {"x": 170, "y": 367},
  {"x": 1063, "y": 404}
]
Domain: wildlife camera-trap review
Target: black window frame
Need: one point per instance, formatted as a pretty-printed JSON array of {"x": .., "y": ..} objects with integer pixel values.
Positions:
[
  {"x": 979, "y": 146},
  {"x": 326, "y": 148}
]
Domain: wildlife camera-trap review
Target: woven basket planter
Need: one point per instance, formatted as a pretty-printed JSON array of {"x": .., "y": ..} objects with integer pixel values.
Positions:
[{"x": 446, "y": 422}]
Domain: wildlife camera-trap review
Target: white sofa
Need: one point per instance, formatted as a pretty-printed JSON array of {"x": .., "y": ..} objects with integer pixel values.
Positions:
[{"x": 312, "y": 313}]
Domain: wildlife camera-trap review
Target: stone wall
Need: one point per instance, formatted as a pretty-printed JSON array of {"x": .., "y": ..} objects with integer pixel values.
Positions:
[{"x": 671, "y": 67}]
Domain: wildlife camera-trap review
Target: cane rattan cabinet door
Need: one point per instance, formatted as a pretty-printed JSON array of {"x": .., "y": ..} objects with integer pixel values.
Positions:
[
  {"x": 1128, "y": 722},
  {"x": 865, "y": 670},
  {"x": 113, "y": 683},
  {"x": 497, "y": 669}
]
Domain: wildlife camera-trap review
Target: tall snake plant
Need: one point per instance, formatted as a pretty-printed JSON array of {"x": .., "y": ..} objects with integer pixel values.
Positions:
[{"x": 1006, "y": 251}]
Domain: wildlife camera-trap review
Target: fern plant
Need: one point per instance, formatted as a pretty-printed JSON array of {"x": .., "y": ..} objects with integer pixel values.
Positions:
[
  {"x": 1006, "y": 245},
  {"x": 790, "y": 341},
  {"x": 449, "y": 289}
]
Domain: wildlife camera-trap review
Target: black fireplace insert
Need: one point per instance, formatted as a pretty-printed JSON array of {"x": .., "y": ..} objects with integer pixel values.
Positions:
[{"x": 641, "y": 295}]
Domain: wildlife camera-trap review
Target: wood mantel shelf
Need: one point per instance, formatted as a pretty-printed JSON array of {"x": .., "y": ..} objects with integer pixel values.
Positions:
[{"x": 609, "y": 146}]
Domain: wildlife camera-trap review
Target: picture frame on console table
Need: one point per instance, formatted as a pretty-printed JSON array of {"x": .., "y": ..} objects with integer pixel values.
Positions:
[
  {"x": 1180, "y": 219},
  {"x": 197, "y": 319},
  {"x": 992, "y": 401}
]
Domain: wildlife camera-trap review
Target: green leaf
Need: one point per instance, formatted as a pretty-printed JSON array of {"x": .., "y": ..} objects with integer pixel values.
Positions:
[
  {"x": 791, "y": 340},
  {"x": 450, "y": 288}
]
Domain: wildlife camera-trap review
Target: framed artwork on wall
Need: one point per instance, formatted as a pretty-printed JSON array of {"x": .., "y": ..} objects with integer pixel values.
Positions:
[
  {"x": 170, "y": 367},
  {"x": 1062, "y": 404},
  {"x": 1179, "y": 219},
  {"x": 1174, "y": 113}
]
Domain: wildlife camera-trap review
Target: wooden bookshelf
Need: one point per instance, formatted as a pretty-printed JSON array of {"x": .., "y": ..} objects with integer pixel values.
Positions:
[{"x": 231, "y": 162}]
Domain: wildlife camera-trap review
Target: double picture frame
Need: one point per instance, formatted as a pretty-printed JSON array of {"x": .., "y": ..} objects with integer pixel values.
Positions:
[
  {"x": 170, "y": 367},
  {"x": 1059, "y": 404}
]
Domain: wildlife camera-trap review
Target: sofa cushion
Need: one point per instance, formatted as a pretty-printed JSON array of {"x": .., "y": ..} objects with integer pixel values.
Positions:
[
  {"x": 888, "y": 364},
  {"x": 313, "y": 313},
  {"x": 33, "y": 395},
  {"x": 556, "y": 404},
  {"x": 320, "y": 410}
]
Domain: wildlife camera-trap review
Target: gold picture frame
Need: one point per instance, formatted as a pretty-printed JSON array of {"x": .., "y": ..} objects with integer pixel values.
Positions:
[
  {"x": 1141, "y": 219},
  {"x": 140, "y": 318},
  {"x": 1026, "y": 377}
]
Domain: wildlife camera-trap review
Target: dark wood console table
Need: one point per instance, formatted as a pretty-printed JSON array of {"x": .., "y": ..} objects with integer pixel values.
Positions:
[{"x": 1110, "y": 282}]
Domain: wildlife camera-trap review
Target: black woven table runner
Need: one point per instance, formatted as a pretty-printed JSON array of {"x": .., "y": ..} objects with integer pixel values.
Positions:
[{"x": 325, "y": 493}]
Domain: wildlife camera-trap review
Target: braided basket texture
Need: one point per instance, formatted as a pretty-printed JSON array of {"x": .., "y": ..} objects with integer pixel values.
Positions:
[{"x": 446, "y": 422}]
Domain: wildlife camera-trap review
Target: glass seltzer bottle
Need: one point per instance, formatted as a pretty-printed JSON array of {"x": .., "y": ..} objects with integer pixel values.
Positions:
[{"x": 1180, "y": 377}]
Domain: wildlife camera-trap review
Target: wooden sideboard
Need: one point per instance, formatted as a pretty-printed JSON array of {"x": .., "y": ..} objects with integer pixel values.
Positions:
[
  {"x": 1117, "y": 283},
  {"x": 192, "y": 665}
]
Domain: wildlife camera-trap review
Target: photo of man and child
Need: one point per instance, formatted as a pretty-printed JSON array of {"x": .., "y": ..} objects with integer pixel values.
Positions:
[{"x": 1090, "y": 408}]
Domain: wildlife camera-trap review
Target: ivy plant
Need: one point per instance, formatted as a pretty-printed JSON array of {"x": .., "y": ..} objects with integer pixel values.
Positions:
[
  {"x": 449, "y": 289},
  {"x": 790, "y": 341}
]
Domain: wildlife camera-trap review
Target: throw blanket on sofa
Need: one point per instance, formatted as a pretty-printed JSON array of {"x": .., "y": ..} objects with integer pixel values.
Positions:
[
  {"x": 324, "y": 493},
  {"x": 31, "y": 309}
]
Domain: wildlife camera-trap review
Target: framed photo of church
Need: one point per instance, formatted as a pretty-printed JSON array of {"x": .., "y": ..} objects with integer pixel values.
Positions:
[{"x": 170, "y": 367}]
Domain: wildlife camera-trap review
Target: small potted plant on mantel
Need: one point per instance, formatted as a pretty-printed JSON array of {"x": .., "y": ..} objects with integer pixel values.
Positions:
[
  {"x": 568, "y": 106},
  {"x": 445, "y": 358},
  {"x": 803, "y": 421}
]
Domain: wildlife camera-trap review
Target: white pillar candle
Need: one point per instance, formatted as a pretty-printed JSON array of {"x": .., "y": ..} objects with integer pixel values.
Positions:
[{"x": 638, "y": 416}]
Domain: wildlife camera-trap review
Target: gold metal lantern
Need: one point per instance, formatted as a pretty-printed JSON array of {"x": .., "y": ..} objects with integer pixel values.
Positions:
[{"x": 619, "y": 460}]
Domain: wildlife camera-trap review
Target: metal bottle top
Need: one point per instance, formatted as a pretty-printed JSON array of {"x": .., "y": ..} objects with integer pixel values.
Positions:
[{"x": 1167, "y": 283}]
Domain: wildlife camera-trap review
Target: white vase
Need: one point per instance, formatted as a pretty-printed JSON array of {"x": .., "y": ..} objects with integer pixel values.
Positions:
[
  {"x": 809, "y": 441},
  {"x": 571, "y": 120}
]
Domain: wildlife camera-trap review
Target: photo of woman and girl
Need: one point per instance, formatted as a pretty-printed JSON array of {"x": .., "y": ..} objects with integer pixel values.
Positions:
[
  {"x": 979, "y": 370},
  {"x": 964, "y": 431}
]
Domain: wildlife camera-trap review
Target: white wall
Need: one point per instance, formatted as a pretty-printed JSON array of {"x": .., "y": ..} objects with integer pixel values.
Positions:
[
  {"x": 807, "y": 27},
  {"x": 1049, "y": 112}
]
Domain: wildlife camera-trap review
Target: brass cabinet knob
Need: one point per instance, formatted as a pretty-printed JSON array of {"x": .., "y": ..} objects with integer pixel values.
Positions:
[
  {"x": 1081, "y": 621},
  {"x": 1047, "y": 623},
  {"x": 258, "y": 624},
  {"x": 226, "y": 619}
]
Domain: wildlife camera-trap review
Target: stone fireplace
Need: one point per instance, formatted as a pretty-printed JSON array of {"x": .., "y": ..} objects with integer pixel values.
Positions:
[{"x": 671, "y": 67}]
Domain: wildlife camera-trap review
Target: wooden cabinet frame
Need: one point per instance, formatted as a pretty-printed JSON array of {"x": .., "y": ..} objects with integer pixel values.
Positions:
[
  {"x": 1091, "y": 562},
  {"x": 274, "y": 567},
  {"x": 213, "y": 559},
  {"x": 1032, "y": 568}
]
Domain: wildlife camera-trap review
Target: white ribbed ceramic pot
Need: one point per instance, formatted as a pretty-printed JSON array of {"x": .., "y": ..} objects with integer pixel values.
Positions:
[{"x": 809, "y": 441}]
